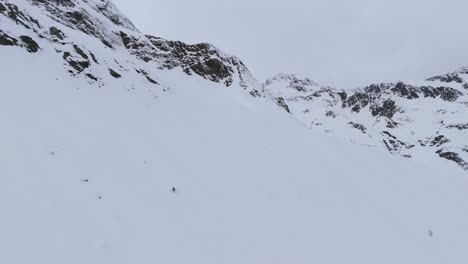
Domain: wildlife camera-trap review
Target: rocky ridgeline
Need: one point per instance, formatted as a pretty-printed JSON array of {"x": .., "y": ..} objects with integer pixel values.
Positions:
[
  {"x": 101, "y": 20},
  {"x": 405, "y": 119}
]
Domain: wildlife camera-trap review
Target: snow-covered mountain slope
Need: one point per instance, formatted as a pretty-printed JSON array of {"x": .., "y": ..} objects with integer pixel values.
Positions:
[
  {"x": 94, "y": 138},
  {"x": 65, "y": 26},
  {"x": 426, "y": 120}
]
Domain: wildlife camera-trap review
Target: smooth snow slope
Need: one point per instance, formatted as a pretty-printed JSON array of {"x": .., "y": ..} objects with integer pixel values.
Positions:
[{"x": 253, "y": 185}]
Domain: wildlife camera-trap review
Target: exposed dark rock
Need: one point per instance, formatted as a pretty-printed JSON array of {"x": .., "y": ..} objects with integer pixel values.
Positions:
[
  {"x": 255, "y": 93},
  {"x": 389, "y": 135},
  {"x": 453, "y": 156},
  {"x": 358, "y": 126},
  {"x": 108, "y": 11},
  {"x": 280, "y": 102},
  {"x": 413, "y": 92},
  {"x": 388, "y": 109},
  {"x": 7, "y": 40},
  {"x": 372, "y": 94},
  {"x": 330, "y": 114},
  {"x": 151, "y": 80},
  {"x": 66, "y": 55},
  {"x": 439, "y": 141},
  {"x": 80, "y": 52},
  {"x": 422, "y": 143},
  {"x": 31, "y": 45},
  {"x": 393, "y": 144},
  {"x": 448, "y": 94},
  {"x": 459, "y": 126},
  {"x": 343, "y": 96},
  {"x": 357, "y": 101},
  {"x": 75, "y": 16},
  {"x": 201, "y": 59},
  {"x": 302, "y": 85},
  {"x": 107, "y": 43},
  {"x": 392, "y": 124},
  {"x": 405, "y": 91},
  {"x": 78, "y": 65},
  {"x": 80, "y": 19},
  {"x": 19, "y": 17},
  {"x": 144, "y": 73},
  {"x": 2, "y": 8},
  {"x": 92, "y": 77},
  {"x": 57, "y": 33},
  {"x": 66, "y": 3},
  {"x": 94, "y": 57},
  {"x": 212, "y": 67},
  {"x": 130, "y": 42},
  {"x": 114, "y": 74},
  {"x": 448, "y": 78}
]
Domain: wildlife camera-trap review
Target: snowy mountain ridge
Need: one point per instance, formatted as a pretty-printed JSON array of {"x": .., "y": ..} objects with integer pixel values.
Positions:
[
  {"x": 413, "y": 120},
  {"x": 380, "y": 115},
  {"x": 118, "y": 147},
  {"x": 101, "y": 20}
]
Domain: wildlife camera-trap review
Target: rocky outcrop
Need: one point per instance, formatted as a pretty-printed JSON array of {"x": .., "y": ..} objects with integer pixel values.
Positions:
[
  {"x": 459, "y": 126},
  {"x": 19, "y": 17},
  {"x": 30, "y": 44},
  {"x": 453, "y": 77},
  {"x": 454, "y": 157},
  {"x": 22, "y": 41},
  {"x": 281, "y": 103},
  {"x": 358, "y": 126},
  {"x": 394, "y": 145}
]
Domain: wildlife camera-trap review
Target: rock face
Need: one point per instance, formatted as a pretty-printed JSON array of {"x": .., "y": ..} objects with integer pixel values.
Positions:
[
  {"x": 410, "y": 119},
  {"x": 202, "y": 59},
  {"x": 423, "y": 120}
]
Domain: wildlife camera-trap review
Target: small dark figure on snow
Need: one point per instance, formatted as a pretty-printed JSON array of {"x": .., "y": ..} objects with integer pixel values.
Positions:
[{"x": 174, "y": 189}]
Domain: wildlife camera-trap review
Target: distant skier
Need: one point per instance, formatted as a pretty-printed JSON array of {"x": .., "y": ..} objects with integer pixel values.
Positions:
[{"x": 174, "y": 189}]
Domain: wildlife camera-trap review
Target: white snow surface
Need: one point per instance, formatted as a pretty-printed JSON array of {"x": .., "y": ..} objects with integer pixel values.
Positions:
[{"x": 87, "y": 170}]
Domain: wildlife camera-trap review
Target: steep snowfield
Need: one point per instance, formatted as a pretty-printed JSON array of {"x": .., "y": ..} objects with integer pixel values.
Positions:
[
  {"x": 87, "y": 169},
  {"x": 253, "y": 185}
]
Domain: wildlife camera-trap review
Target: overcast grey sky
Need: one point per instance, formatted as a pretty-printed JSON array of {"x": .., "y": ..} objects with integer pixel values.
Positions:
[{"x": 343, "y": 43}]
